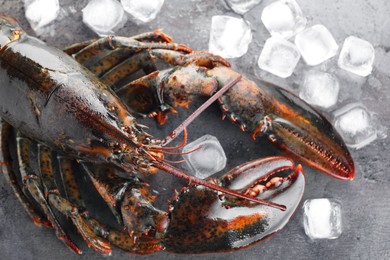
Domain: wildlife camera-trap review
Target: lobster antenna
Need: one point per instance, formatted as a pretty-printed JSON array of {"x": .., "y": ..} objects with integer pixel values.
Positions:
[
  {"x": 174, "y": 153},
  {"x": 183, "y": 143},
  {"x": 200, "y": 109},
  {"x": 195, "y": 181}
]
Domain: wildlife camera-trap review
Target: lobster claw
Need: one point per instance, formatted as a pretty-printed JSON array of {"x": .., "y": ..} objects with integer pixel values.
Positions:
[
  {"x": 203, "y": 221},
  {"x": 306, "y": 135}
]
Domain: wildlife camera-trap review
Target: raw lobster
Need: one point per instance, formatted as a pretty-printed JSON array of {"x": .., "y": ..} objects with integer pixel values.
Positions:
[{"x": 47, "y": 97}]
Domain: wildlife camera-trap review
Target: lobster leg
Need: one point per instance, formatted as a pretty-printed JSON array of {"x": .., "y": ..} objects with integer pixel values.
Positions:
[
  {"x": 113, "y": 69},
  {"x": 6, "y": 164},
  {"x": 115, "y": 42},
  {"x": 127, "y": 68},
  {"x": 115, "y": 57},
  {"x": 92, "y": 230},
  {"x": 67, "y": 175},
  {"x": 141, "y": 245},
  {"x": 111, "y": 64},
  {"x": 55, "y": 199},
  {"x": 33, "y": 185},
  {"x": 154, "y": 36},
  {"x": 129, "y": 199},
  {"x": 110, "y": 187},
  {"x": 144, "y": 59},
  {"x": 76, "y": 47},
  {"x": 46, "y": 170},
  {"x": 81, "y": 220},
  {"x": 204, "y": 59},
  {"x": 122, "y": 70}
]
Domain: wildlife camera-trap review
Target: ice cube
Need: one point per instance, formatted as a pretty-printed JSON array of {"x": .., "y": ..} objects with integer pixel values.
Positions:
[
  {"x": 242, "y": 6},
  {"x": 40, "y": 13},
  {"x": 356, "y": 125},
  {"x": 316, "y": 44},
  {"x": 229, "y": 36},
  {"x": 142, "y": 11},
  {"x": 209, "y": 159},
  {"x": 104, "y": 17},
  {"x": 322, "y": 218},
  {"x": 283, "y": 18},
  {"x": 319, "y": 88},
  {"x": 279, "y": 57},
  {"x": 357, "y": 56}
]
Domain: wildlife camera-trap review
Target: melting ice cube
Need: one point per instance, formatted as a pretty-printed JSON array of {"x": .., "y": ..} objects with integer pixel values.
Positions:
[
  {"x": 242, "y": 6},
  {"x": 316, "y": 44},
  {"x": 40, "y": 13},
  {"x": 356, "y": 125},
  {"x": 322, "y": 218},
  {"x": 229, "y": 36},
  {"x": 206, "y": 161},
  {"x": 104, "y": 17},
  {"x": 357, "y": 56},
  {"x": 319, "y": 88},
  {"x": 279, "y": 57},
  {"x": 283, "y": 18},
  {"x": 142, "y": 11}
]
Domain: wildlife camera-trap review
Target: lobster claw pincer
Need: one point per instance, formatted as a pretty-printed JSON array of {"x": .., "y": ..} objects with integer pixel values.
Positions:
[
  {"x": 201, "y": 220},
  {"x": 303, "y": 133}
]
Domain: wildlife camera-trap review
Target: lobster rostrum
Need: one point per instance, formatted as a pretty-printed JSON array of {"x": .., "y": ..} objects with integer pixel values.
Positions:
[{"x": 79, "y": 109}]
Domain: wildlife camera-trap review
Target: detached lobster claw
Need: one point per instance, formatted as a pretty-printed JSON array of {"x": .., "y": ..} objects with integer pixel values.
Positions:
[
  {"x": 305, "y": 134},
  {"x": 203, "y": 221}
]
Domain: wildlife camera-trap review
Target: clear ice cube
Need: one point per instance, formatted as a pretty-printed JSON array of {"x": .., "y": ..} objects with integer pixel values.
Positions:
[
  {"x": 322, "y": 218},
  {"x": 357, "y": 56},
  {"x": 356, "y": 125},
  {"x": 40, "y": 13},
  {"x": 142, "y": 11},
  {"x": 242, "y": 6},
  {"x": 229, "y": 36},
  {"x": 279, "y": 57},
  {"x": 319, "y": 88},
  {"x": 316, "y": 44},
  {"x": 283, "y": 18},
  {"x": 104, "y": 17},
  {"x": 206, "y": 161}
]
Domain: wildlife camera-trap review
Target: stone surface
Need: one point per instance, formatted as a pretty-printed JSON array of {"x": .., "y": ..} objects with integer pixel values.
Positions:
[{"x": 366, "y": 209}]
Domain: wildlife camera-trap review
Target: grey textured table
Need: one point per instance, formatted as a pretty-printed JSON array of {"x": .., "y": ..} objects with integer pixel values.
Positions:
[{"x": 366, "y": 209}]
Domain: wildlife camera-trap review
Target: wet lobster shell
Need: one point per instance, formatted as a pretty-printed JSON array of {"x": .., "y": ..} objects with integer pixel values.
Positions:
[{"x": 67, "y": 108}]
